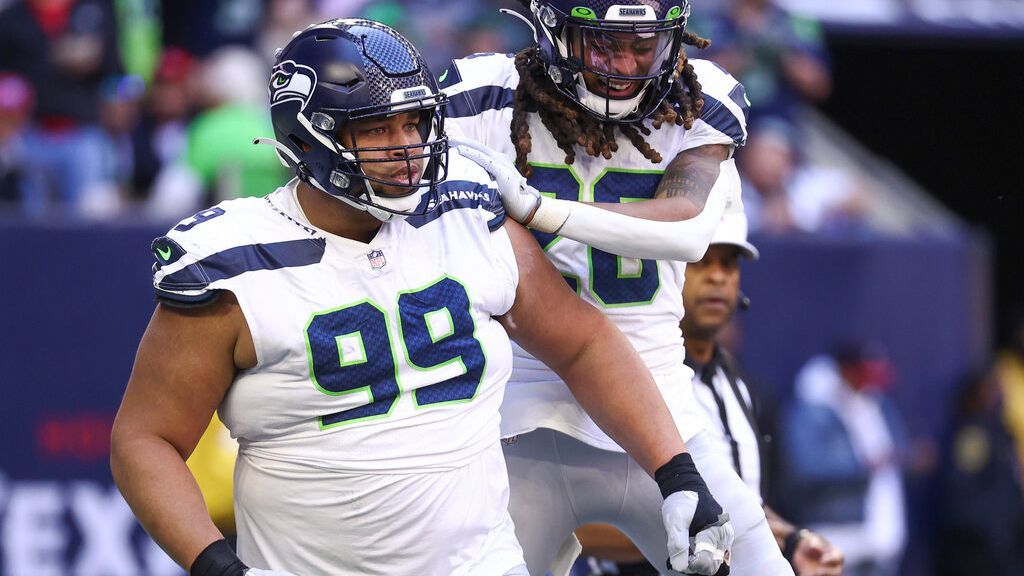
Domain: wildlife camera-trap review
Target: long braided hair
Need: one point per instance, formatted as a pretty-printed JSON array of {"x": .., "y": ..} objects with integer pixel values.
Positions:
[{"x": 570, "y": 125}]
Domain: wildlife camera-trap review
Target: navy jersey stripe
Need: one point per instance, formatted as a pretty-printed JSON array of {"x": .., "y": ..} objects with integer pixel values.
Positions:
[
  {"x": 240, "y": 259},
  {"x": 477, "y": 100},
  {"x": 721, "y": 118},
  {"x": 496, "y": 222},
  {"x": 450, "y": 76},
  {"x": 183, "y": 301},
  {"x": 739, "y": 95},
  {"x": 458, "y": 194}
]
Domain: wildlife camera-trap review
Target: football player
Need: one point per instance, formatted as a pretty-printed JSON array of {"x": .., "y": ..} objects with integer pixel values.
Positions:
[
  {"x": 616, "y": 149},
  {"x": 352, "y": 328}
]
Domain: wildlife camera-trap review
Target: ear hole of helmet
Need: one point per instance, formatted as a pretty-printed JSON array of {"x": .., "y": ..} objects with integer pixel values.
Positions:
[{"x": 300, "y": 143}]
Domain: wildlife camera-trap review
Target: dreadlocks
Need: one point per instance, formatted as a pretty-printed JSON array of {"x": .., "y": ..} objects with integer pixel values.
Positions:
[{"x": 570, "y": 125}]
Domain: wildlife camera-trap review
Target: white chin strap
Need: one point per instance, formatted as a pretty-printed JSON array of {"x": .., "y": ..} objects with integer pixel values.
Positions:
[
  {"x": 404, "y": 204},
  {"x": 608, "y": 106}
]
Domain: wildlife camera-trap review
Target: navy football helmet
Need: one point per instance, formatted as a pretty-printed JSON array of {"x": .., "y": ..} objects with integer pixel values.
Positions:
[
  {"x": 628, "y": 48},
  {"x": 346, "y": 70}
]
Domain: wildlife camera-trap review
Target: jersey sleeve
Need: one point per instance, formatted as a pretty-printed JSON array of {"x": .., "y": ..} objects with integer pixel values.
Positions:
[
  {"x": 723, "y": 119},
  {"x": 480, "y": 90},
  {"x": 205, "y": 252},
  {"x": 467, "y": 188},
  {"x": 179, "y": 273}
]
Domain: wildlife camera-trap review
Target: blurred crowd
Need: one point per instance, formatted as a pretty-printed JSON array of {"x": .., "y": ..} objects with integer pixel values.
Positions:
[
  {"x": 147, "y": 108},
  {"x": 843, "y": 462}
]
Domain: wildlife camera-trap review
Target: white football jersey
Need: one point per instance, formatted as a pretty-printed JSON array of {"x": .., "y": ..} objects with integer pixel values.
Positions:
[
  {"x": 642, "y": 297},
  {"x": 371, "y": 357}
]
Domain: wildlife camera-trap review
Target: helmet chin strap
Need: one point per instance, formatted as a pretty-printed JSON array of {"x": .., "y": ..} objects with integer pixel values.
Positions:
[
  {"x": 607, "y": 106},
  {"x": 403, "y": 204},
  {"x": 286, "y": 155}
]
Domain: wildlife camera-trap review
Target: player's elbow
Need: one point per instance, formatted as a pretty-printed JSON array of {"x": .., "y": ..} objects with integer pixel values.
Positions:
[
  {"x": 692, "y": 254},
  {"x": 121, "y": 441},
  {"x": 687, "y": 242},
  {"x": 575, "y": 359},
  {"x": 130, "y": 445}
]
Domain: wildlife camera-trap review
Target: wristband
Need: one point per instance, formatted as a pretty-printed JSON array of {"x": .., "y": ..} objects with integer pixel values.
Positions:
[
  {"x": 678, "y": 474},
  {"x": 218, "y": 559},
  {"x": 550, "y": 215},
  {"x": 791, "y": 542}
]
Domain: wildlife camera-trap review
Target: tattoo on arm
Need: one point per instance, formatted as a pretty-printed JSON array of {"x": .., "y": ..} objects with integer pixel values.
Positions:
[{"x": 692, "y": 174}]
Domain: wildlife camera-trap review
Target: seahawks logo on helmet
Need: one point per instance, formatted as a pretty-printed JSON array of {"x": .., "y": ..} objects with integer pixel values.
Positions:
[{"x": 291, "y": 81}]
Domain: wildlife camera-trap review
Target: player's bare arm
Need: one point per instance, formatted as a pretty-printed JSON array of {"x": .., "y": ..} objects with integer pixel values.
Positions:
[
  {"x": 185, "y": 363},
  {"x": 595, "y": 360},
  {"x": 684, "y": 188},
  {"x": 691, "y": 175}
]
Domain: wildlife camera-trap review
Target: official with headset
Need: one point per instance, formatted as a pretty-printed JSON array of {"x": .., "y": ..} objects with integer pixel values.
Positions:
[{"x": 711, "y": 296}]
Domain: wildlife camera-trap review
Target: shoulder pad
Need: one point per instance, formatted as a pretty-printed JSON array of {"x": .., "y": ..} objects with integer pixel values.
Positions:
[
  {"x": 478, "y": 83},
  {"x": 726, "y": 107},
  {"x": 467, "y": 187},
  {"x": 194, "y": 259}
]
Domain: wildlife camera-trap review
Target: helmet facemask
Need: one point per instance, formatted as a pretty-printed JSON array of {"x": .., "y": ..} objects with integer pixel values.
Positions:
[
  {"x": 629, "y": 58},
  {"x": 360, "y": 168},
  {"x": 387, "y": 179}
]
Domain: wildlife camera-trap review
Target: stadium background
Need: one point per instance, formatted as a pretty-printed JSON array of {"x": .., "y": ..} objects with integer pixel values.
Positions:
[{"x": 926, "y": 89}]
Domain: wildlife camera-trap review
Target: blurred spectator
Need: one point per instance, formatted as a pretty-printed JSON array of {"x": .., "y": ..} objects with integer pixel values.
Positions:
[
  {"x": 282, "y": 19},
  {"x": 138, "y": 23},
  {"x": 343, "y": 8},
  {"x": 120, "y": 98},
  {"x": 221, "y": 161},
  {"x": 981, "y": 513},
  {"x": 203, "y": 27},
  {"x": 1010, "y": 367},
  {"x": 783, "y": 194},
  {"x": 64, "y": 48},
  {"x": 15, "y": 109},
  {"x": 161, "y": 138},
  {"x": 780, "y": 58},
  {"x": 843, "y": 443},
  {"x": 443, "y": 29}
]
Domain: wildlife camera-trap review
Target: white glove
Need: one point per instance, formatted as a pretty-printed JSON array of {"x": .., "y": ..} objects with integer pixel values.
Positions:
[
  {"x": 706, "y": 553},
  {"x": 262, "y": 572},
  {"x": 521, "y": 200}
]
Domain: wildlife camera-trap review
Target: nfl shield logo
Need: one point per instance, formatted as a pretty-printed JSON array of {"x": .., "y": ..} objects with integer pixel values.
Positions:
[{"x": 377, "y": 260}]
